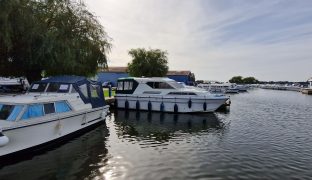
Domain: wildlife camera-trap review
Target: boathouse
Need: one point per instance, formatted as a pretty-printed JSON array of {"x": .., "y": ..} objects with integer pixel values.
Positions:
[
  {"x": 186, "y": 77},
  {"x": 111, "y": 75}
]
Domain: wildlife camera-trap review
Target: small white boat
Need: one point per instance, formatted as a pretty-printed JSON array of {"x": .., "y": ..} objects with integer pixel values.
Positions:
[
  {"x": 165, "y": 95},
  {"x": 308, "y": 90},
  {"x": 13, "y": 85},
  {"x": 52, "y": 109},
  {"x": 219, "y": 87},
  {"x": 241, "y": 88}
]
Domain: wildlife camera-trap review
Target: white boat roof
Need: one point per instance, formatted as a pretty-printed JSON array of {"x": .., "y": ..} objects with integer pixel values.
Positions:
[
  {"x": 34, "y": 98},
  {"x": 148, "y": 79}
]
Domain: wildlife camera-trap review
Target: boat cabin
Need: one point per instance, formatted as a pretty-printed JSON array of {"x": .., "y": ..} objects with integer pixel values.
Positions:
[
  {"x": 89, "y": 91},
  {"x": 51, "y": 96},
  {"x": 152, "y": 86}
]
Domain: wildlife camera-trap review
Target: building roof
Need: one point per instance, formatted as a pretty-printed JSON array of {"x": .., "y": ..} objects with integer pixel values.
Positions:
[
  {"x": 116, "y": 69},
  {"x": 178, "y": 73}
]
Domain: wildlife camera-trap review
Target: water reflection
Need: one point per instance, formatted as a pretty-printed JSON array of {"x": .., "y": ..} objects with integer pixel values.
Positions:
[
  {"x": 80, "y": 157},
  {"x": 163, "y": 126}
]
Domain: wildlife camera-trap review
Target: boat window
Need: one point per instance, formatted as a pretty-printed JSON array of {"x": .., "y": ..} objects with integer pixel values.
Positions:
[
  {"x": 159, "y": 85},
  {"x": 49, "y": 108},
  {"x": 151, "y": 92},
  {"x": 182, "y": 93},
  {"x": 56, "y": 87},
  {"x": 177, "y": 85},
  {"x": 10, "y": 112},
  {"x": 120, "y": 85},
  {"x": 94, "y": 93},
  {"x": 32, "y": 111},
  {"x": 64, "y": 88},
  {"x": 62, "y": 106},
  {"x": 38, "y": 87},
  {"x": 73, "y": 90},
  {"x": 84, "y": 90}
]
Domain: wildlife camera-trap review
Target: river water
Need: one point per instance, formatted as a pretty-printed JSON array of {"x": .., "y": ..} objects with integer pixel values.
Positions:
[{"x": 265, "y": 134}]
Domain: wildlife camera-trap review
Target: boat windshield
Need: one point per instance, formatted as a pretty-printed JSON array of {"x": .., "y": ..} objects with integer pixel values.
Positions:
[
  {"x": 10, "y": 112},
  {"x": 176, "y": 85}
]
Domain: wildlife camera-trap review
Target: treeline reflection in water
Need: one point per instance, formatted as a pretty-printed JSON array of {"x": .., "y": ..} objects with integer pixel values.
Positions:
[{"x": 161, "y": 127}]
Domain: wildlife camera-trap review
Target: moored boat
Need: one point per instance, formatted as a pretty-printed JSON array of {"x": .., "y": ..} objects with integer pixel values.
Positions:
[
  {"x": 165, "y": 95},
  {"x": 308, "y": 90},
  {"x": 52, "y": 109}
]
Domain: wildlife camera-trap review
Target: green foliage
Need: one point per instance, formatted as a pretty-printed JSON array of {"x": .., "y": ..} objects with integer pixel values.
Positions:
[
  {"x": 148, "y": 63},
  {"x": 241, "y": 80},
  {"x": 236, "y": 79},
  {"x": 57, "y": 36},
  {"x": 250, "y": 80}
]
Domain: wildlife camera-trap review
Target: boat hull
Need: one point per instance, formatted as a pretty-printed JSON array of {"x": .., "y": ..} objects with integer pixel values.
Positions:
[
  {"x": 30, "y": 135},
  {"x": 182, "y": 105}
]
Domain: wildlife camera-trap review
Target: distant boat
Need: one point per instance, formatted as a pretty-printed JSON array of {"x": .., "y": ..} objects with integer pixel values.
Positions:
[
  {"x": 52, "y": 109},
  {"x": 165, "y": 95},
  {"x": 13, "y": 85},
  {"x": 308, "y": 90},
  {"x": 219, "y": 87}
]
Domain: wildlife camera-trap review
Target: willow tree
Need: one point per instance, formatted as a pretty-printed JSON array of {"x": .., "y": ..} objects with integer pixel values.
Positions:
[
  {"x": 57, "y": 36},
  {"x": 149, "y": 63}
]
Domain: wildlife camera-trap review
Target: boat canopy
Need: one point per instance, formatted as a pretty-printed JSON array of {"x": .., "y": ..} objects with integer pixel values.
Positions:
[{"x": 89, "y": 91}]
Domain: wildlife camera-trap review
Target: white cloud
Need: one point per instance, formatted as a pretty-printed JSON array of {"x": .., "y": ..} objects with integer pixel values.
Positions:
[{"x": 215, "y": 40}]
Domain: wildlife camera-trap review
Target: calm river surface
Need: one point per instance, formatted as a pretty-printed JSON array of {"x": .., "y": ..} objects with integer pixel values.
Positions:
[{"x": 266, "y": 134}]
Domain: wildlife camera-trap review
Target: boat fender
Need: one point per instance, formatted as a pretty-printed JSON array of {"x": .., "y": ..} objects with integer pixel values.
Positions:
[
  {"x": 137, "y": 105},
  {"x": 4, "y": 140},
  {"x": 149, "y": 106},
  {"x": 162, "y": 107},
  {"x": 116, "y": 103},
  {"x": 205, "y": 106},
  {"x": 126, "y": 104},
  {"x": 190, "y": 103},
  {"x": 176, "y": 108}
]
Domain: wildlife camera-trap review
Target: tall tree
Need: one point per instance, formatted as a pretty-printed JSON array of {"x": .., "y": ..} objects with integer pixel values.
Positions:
[
  {"x": 58, "y": 36},
  {"x": 250, "y": 80},
  {"x": 149, "y": 63},
  {"x": 236, "y": 79}
]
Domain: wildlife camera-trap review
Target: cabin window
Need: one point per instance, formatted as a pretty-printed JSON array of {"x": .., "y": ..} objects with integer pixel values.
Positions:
[
  {"x": 64, "y": 88},
  {"x": 49, "y": 108},
  {"x": 151, "y": 92},
  {"x": 94, "y": 93},
  {"x": 182, "y": 93},
  {"x": 159, "y": 85},
  {"x": 62, "y": 106},
  {"x": 120, "y": 85},
  {"x": 10, "y": 112},
  {"x": 35, "y": 110},
  {"x": 84, "y": 90},
  {"x": 53, "y": 87},
  {"x": 38, "y": 87},
  {"x": 126, "y": 85},
  {"x": 73, "y": 90},
  {"x": 56, "y": 87}
]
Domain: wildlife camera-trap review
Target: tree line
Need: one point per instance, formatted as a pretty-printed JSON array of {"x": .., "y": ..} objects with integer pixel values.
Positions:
[
  {"x": 54, "y": 36},
  {"x": 242, "y": 80}
]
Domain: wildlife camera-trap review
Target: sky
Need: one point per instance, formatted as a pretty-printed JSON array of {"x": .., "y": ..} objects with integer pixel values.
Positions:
[{"x": 215, "y": 39}]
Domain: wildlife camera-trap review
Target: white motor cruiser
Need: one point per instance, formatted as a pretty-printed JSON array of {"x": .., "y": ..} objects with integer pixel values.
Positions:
[
  {"x": 219, "y": 87},
  {"x": 165, "y": 95},
  {"x": 52, "y": 109}
]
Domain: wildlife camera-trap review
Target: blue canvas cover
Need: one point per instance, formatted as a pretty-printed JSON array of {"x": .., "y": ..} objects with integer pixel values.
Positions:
[{"x": 89, "y": 91}]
